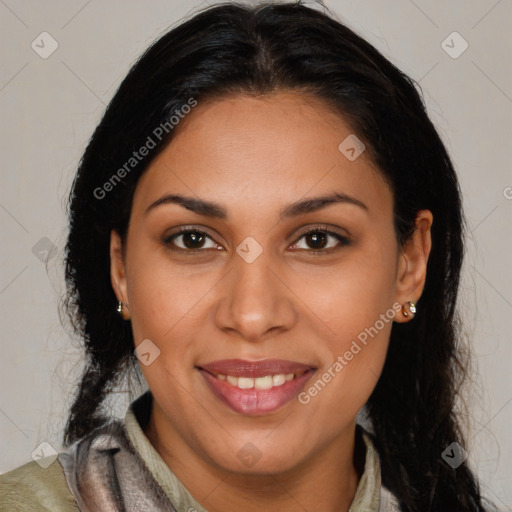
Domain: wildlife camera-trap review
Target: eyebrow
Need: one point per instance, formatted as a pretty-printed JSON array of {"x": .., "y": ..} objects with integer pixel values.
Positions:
[{"x": 215, "y": 210}]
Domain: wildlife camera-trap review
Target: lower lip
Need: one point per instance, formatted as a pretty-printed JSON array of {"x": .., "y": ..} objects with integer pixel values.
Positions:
[{"x": 253, "y": 402}]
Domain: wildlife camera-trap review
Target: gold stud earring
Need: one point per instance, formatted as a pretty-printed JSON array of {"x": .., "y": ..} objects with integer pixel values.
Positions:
[{"x": 411, "y": 307}]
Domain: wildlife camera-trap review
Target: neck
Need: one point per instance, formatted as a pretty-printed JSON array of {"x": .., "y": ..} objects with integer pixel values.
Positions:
[{"x": 326, "y": 481}]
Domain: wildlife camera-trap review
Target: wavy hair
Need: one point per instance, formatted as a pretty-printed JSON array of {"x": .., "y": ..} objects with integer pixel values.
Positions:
[{"x": 238, "y": 49}]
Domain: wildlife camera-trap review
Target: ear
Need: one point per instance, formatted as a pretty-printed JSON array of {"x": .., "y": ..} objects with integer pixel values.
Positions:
[
  {"x": 412, "y": 265},
  {"x": 117, "y": 271}
]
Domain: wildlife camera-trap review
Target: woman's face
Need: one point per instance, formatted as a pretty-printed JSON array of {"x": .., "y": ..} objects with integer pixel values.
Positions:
[{"x": 249, "y": 295}]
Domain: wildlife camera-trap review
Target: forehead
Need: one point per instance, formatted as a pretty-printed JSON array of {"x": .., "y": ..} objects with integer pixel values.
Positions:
[{"x": 259, "y": 151}]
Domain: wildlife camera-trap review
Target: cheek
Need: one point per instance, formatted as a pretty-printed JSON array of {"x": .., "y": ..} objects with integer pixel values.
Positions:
[
  {"x": 351, "y": 296},
  {"x": 160, "y": 293},
  {"x": 356, "y": 302},
  {"x": 161, "y": 302},
  {"x": 351, "y": 367}
]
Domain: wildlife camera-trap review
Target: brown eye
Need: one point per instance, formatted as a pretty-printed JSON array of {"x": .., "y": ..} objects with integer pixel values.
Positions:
[
  {"x": 321, "y": 240},
  {"x": 190, "y": 239},
  {"x": 316, "y": 239}
]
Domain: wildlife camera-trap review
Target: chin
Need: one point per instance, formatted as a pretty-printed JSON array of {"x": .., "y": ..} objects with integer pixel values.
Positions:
[{"x": 250, "y": 459}]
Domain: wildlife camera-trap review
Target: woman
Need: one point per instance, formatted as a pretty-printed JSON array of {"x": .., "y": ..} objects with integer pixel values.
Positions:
[{"x": 268, "y": 217}]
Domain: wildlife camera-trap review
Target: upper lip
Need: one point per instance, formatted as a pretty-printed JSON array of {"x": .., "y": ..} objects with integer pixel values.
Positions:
[{"x": 254, "y": 369}]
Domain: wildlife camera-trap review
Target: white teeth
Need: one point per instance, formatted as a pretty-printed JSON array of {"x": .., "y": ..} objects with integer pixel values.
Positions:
[
  {"x": 263, "y": 382},
  {"x": 278, "y": 380},
  {"x": 245, "y": 382},
  {"x": 232, "y": 380},
  {"x": 266, "y": 382}
]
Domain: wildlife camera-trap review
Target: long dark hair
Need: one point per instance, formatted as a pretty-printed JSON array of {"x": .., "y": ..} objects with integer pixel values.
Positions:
[{"x": 231, "y": 49}]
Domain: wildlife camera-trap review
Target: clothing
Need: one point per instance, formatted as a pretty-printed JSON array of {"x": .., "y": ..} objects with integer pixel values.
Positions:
[{"x": 116, "y": 468}]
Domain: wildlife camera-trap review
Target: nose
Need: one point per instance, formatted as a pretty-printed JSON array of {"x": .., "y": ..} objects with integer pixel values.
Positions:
[{"x": 256, "y": 302}]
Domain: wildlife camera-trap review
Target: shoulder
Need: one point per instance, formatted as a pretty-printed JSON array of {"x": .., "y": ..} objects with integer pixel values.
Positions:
[{"x": 36, "y": 486}]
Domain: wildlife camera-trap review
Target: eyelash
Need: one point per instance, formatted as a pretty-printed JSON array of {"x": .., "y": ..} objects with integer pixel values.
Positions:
[{"x": 317, "y": 229}]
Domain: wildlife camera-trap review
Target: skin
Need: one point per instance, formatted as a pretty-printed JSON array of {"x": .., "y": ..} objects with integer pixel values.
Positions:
[{"x": 255, "y": 156}]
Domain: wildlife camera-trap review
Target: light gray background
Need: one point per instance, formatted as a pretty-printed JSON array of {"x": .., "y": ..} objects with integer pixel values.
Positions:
[{"x": 51, "y": 106}]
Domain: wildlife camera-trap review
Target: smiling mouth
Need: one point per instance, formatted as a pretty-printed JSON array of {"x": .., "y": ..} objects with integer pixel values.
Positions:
[
  {"x": 255, "y": 387},
  {"x": 266, "y": 382}
]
